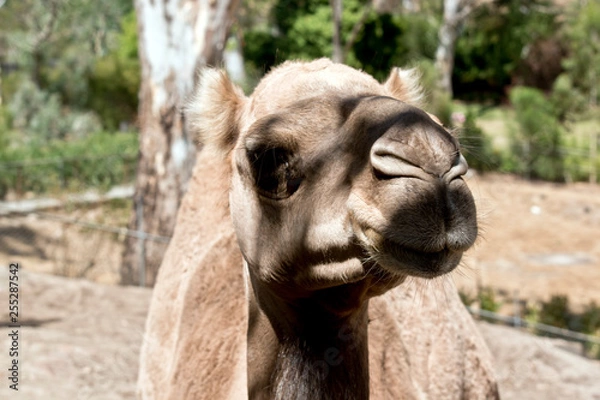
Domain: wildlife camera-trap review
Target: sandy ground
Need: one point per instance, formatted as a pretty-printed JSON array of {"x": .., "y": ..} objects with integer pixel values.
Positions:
[
  {"x": 81, "y": 340},
  {"x": 537, "y": 239},
  {"x": 78, "y": 339}
]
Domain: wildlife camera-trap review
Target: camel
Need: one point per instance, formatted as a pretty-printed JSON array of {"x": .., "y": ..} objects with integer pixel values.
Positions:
[{"x": 310, "y": 251}]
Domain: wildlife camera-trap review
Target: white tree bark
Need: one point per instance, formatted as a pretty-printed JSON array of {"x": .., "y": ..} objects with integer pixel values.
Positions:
[
  {"x": 455, "y": 13},
  {"x": 175, "y": 37},
  {"x": 338, "y": 52}
]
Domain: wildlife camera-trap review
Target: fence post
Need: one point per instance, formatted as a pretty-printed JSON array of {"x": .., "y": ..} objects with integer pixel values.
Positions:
[
  {"x": 139, "y": 209},
  {"x": 593, "y": 156},
  {"x": 516, "y": 309},
  {"x": 19, "y": 182},
  {"x": 63, "y": 181}
]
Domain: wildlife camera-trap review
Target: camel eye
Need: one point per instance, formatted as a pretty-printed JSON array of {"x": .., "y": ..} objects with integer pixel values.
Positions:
[{"x": 275, "y": 172}]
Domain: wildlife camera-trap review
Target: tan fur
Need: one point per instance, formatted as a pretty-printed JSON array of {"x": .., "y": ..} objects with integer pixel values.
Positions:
[
  {"x": 404, "y": 85},
  {"x": 244, "y": 274},
  {"x": 216, "y": 120}
]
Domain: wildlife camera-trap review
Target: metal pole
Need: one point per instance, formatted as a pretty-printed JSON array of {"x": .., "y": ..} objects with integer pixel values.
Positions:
[{"x": 516, "y": 309}]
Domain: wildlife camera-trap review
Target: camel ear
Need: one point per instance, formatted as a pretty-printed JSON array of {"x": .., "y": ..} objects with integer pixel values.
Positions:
[
  {"x": 404, "y": 85},
  {"x": 213, "y": 112}
]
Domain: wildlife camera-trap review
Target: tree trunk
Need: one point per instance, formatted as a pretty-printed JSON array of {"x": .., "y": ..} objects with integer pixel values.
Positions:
[
  {"x": 338, "y": 52},
  {"x": 175, "y": 37},
  {"x": 455, "y": 12}
]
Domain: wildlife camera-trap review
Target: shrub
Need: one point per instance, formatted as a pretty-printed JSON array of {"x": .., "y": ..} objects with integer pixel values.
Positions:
[
  {"x": 115, "y": 79},
  {"x": 100, "y": 160},
  {"x": 466, "y": 298},
  {"x": 566, "y": 99},
  {"x": 582, "y": 31},
  {"x": 578, "y": 165},
  {"x": 590, "y": 324},
  {"x": 390, "y": 40},
  {"x": 555, "y": 312},
  {"x": 492, "y": 45},
  {"x": 590, "y": 319},
  {"x": 487, "y": 299},
  {"x": 41, "y": 116},
  {"x": 536, "y": 143},
  {"x": 303, "y": 30}
]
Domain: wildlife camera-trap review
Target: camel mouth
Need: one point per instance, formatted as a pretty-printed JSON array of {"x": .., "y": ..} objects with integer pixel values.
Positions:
[
  {"x": 396, "y": 258},
  {"x": 399, "y": 259}
]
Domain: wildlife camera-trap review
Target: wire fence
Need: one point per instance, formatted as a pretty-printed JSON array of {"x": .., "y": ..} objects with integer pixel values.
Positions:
[
  {"x": 65, "y": 243},
  {"x": 104, "y": 228},
  {"x": 70, "y": 216}
]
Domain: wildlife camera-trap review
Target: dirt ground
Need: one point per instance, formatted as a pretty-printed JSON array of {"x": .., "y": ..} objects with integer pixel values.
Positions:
[
  {"x": 80, "y": 340},
  {"x": 537, "y": 240}
]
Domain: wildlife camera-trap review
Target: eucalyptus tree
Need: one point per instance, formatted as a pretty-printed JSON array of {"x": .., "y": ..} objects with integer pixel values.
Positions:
[{"x": 175, "y": 38}]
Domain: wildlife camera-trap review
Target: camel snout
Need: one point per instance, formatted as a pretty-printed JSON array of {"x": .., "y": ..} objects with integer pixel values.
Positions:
[
  {"x": 393, "y": 157},
  {"x": 390, "y": 161}
]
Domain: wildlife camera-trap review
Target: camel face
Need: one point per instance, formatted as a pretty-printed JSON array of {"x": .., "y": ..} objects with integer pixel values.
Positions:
[
  {"x": 336, "y": 178},
  {"x": 335, "y": 188}
]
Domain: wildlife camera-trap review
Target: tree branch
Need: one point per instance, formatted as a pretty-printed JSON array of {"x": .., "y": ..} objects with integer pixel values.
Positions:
[{"x": 45, "y": 32}]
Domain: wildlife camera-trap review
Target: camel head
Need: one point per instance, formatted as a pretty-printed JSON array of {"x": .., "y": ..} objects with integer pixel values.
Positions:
[{"x": 336, "y": 178}]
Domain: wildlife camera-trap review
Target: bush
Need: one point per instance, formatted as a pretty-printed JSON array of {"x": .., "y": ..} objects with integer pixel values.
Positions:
[
  {"x": 100, "y": 160},
  {"x": 536, "y": 144},
  {"x": 487, "y": 299},
  {"x": 298, "y": 30},
  {"x": 41, "y": 116},
  {"x": 303, "y": 30},
  {"x": 590, "y": 319},
  {"x": 466, "y": 298},
  {"x": 578, "y": 165},
  {"x": 567, "y": 101},
  {"x": 555, "y": 312},
  {"x": 582, "y": 31},
  {"x": 389, "y": 40},
  {"x": 490, "y": 49},
  {"x": 115, "y": 79},
  {"x": 590, "y": 323}
]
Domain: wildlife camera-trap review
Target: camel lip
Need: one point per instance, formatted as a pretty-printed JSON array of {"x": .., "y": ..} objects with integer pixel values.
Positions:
[
  {"x": 400, "y": 259},
  {"x": 397, "y": 258}
]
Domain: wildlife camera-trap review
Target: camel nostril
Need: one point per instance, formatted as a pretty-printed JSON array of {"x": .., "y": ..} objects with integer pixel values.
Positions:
[
  {"x": 390, "y": 163},
  {"x": 458, "y": 169}
]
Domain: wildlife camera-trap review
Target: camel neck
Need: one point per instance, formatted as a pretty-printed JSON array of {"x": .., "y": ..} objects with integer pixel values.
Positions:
[{"x": 301, "y": 349}]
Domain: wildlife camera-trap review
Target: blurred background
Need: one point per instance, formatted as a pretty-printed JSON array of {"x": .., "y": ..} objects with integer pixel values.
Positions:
[{"x": 95, "y": 157}]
